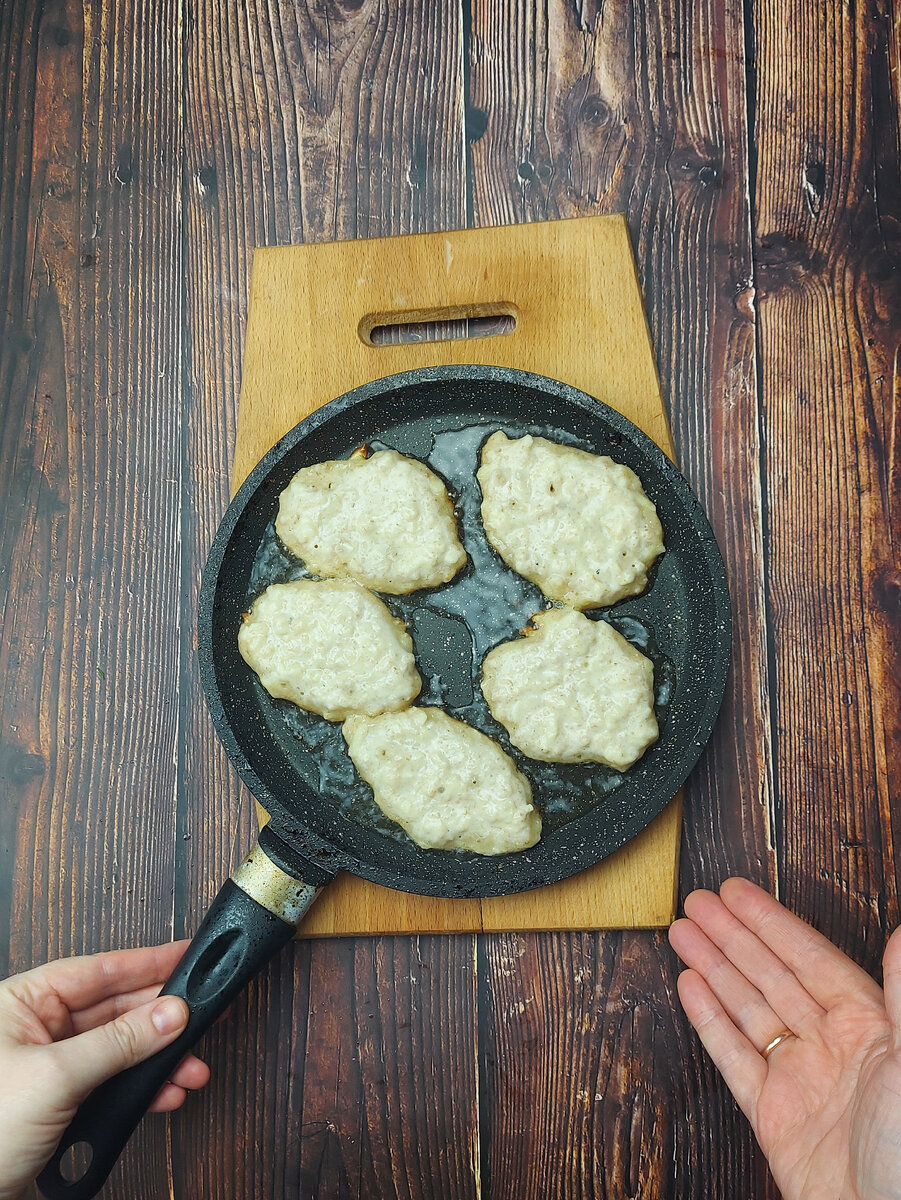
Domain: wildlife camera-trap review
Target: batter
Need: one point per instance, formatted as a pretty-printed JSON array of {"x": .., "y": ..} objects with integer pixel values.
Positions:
[
  {"x": 386, "y": 521},
  {"x": 577, "y": 524},
  {"x": 331, "y": 647},
  {"x": 448, "y": 785},
  {"x": 571, "y": 691}
]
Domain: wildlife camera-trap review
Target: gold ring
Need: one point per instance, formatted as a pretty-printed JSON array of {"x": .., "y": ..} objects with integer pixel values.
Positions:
[{"x": 777, "y": 1041}]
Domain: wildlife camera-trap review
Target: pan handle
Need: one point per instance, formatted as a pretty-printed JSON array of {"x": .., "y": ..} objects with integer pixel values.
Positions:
[{"x": 255, "y": 913}]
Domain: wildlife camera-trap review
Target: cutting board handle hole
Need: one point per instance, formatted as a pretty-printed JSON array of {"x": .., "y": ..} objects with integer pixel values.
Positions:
[{"x": 438, "y": 324}]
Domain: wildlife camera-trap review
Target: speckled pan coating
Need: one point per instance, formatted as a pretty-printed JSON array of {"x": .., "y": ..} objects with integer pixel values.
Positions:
[{"x": 695, "y": 618}]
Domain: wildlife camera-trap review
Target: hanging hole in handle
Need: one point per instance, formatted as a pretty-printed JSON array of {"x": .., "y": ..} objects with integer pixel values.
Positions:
[
  {"x": 438, "y": 324},
  {"x": 75, "y": 1162}
]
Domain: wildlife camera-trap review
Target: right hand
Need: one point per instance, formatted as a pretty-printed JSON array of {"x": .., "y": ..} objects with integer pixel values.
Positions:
[{"x": 826, "y": 1104}]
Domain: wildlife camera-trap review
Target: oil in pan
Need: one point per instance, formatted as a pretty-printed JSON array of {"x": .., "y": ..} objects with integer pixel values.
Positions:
[{"x": 455, "y": 625}]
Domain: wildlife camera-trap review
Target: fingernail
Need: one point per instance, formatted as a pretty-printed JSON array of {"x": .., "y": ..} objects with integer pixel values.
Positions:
[{"x": 170, "y": 1014}]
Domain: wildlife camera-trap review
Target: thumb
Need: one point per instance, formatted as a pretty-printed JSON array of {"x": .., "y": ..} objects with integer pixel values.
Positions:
[
  {"x": 891, "y": 978},
  {"x": 90, "y": 1058}
]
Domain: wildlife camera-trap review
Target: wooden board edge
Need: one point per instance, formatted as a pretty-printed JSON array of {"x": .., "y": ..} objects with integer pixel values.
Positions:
[{"x": 442, "y": 915}]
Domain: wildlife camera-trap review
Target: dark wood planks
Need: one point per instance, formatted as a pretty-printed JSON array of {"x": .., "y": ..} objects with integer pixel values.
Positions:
[
  {"x": 89, "y": 434},
  {"x": 638, "y": 108},
  {"x": 589, "y": 1086},
  {"x": 348, "y": 1069},
  {"x": 828, "y": 258},
  {"x": 389, "y": 1094},
  {"x": 642, "y": 110}
]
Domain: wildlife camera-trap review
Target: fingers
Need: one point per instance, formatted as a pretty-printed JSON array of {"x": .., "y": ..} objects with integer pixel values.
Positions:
[
  {"x": 192, "y": 1074},
  {"x": 112, "y": 1007},
  {"x": 792, "y": 1004},
  {"x": 827, "y": 975},
  {"x": 748, "y": 1009},
  {"x": 891, "y": 977},
  {"x": 168, "y": 1099},
  {"x": 188, "y": 1077},
  {"x": 89, "y": 1058},
  {"x": 86, "y": 980},
  {"x": 734, "y": 1057}
]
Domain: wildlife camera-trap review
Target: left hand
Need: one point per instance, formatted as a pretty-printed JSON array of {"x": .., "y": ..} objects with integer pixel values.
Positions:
[{"x": 67, "y": 1027}]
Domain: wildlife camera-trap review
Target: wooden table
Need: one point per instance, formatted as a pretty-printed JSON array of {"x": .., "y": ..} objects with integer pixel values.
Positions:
[{"x": 146, "y": 149}]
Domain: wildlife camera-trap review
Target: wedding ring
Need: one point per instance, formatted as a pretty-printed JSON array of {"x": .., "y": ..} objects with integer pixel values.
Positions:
[{"x": 777, "y": 1041}]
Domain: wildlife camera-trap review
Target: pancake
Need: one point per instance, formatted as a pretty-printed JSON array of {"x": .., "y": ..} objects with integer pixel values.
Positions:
[
  {"x": 572, "y": 691},
  {"x": 448, "y": 785},
  {"x": 577, "y": 524},
  {"x": 386, "y": 521},
  {"x": 330, "y": 647}
]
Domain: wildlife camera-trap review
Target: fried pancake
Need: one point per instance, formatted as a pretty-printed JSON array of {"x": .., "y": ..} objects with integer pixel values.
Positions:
[
  {"x": 330, "y": 647},
  {"x": 573, "y": 690},
  {"x": 577, "y": 524},
  {"x": 448, "y": 785},
  {"x": 386, "y": 521}
]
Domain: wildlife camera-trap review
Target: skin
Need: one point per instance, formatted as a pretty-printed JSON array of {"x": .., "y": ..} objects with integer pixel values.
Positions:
[
  {"x": 68, "y": 1026},
  {"x": 825, "y": 1105}
]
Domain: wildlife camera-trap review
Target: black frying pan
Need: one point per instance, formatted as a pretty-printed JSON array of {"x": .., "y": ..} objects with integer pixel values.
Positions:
[{"x": 682, "y": 620}]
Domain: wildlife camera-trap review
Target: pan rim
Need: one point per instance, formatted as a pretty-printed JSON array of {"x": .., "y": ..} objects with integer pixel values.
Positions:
[{"x": 320, "y": 849}]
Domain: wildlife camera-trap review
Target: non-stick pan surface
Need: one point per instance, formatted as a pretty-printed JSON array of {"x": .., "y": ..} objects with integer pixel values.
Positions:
[{"x": 684, "y": 613}]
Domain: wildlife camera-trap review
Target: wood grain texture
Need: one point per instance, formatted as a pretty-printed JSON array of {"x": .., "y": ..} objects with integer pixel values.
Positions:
[
  {"x": 306, "y": 122},
  {"x": 828, "y": 261},
  {"x": 145, "y": 149},
  {"x": 642, "y": 108},
  {"x": 588, "y": 330},
  {"x": 89, "y": 453},
  {"x": 590, "y": 1078},
  {"x": 399, "y": 1116},
  {"x": 89, "y": 692},
  {"x": 346, "y": 1090}
]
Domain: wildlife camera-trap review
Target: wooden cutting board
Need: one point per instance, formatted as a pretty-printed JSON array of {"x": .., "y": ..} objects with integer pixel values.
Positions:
[{"x": 572, "y": 290}]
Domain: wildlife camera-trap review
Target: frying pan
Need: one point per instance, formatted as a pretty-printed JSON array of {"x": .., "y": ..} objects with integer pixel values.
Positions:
[{"x": 684, "y": 613}]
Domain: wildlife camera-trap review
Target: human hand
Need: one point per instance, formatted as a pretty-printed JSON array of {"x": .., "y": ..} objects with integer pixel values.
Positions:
[
  {"x": 67, "y": 1027},
  {"x": 825, "y": 1105}
]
